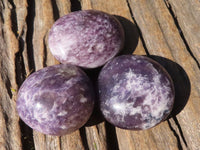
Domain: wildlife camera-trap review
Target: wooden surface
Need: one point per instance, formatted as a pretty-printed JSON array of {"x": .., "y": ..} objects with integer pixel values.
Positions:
[{"x": 166, "y": 30}]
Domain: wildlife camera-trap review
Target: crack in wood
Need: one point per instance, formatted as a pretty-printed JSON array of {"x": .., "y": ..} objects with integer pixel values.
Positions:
[
  {"x": 6, "y": 135},
  {"x": 111, "y": 137},
  {"x": 180, "y": 147},
  {"x": 19, "y": 63},
  {"x": 30, "y": 30},
  {"x": 2, "y": 5},
  {"x": 26, "y": 136},
  {"x": 75, "y": 5},
  {"x": 14, "y": 18},
  {"x": 26, "y": 132},
  {"x": 60, "y": 143},
  {"x": 56, "y": 14},
  {"x": 84, "y": 138},
  {"x": 179, "y": 136},
  {"x": 45, "y": 53},
  {"x": 1, "y": 11},
  {"x": 139, "y": 31},
  {"x": 180, "y": 130},
  {"x": 8, "y": 87},
  {"x": 180, "y": 31}
]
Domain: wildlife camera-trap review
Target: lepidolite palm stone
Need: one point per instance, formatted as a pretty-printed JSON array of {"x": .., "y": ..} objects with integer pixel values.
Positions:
[
  {"x": 135, "y": 92},
  {"x": 56, "y": 100}
]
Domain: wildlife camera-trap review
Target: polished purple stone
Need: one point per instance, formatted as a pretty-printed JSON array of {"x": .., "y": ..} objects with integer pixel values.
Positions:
[
  {"x": 87, "y": 38},
  {"x": 56, "y": 100},
  {"x": 135, "y": 92}
]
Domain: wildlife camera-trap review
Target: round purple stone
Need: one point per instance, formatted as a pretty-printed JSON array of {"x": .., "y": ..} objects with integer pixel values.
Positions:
[
  {"x": 56, "y": 100},
  {"x": 87, "y": 38},
  {"x": 135, "y": 92}
]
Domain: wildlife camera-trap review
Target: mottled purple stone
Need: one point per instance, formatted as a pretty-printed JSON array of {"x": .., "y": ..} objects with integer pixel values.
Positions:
[
  {"x": 87, "y": 38},
  {"x": 135, "y": 92},
  {"x": 56, "y": 100}
]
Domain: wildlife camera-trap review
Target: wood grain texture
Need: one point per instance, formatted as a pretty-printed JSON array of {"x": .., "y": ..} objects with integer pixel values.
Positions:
[
  {"x": 171, "y": 46},
  {"x": 166, "y": 30},
  {"x": 187, "y": 14},
  {"x": 10, "y": 130}
]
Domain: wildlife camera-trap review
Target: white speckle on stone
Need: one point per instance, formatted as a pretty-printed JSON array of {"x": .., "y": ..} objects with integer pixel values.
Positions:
[
  {"x": 116, "y": 87},
  {"x": 129, "y": 86},
  {"x": 52, "y": 82},
  {"x": 41, "y": 116},
  {"x": 62, "y": 113},
  {"x": 136, "y": 110},
  {"x": 108, "y": 35},
  {"x": 123, "y": 109},
  {"x": 106, "y": 112},
  {"x": 100, "y": 47},
  {"x": 82, "y": 89},
  {"x": 118, "y": 107},
  {"x": 83, "y": 99},
  {"x": 130, "y": 75},
  {"x": 63, "y": 127},
  {"x": 115, "y": 76},
  {"x": 90, "y": 49},
  {"x": 55, "y": 105},
  {"x": 38, "y": 106}
]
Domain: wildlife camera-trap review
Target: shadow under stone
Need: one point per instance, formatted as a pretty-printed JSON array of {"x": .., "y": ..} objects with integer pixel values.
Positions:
[
  {"x": 96, "y": 116},
  {"x": 181, "y": 83},
  {"x": 131, "y": 35}
]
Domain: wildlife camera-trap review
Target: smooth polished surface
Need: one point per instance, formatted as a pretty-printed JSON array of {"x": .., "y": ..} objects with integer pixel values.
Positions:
[
  {"x": 56, "y": 100},
  {"x": 135, "y": 92},
  {"x": 87, "y": 38}
]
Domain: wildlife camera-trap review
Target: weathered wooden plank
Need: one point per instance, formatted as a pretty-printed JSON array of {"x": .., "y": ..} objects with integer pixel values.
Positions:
[
  {"x": 72, "y": 141},
  {"x": 187, "y": 15},
  {"x": 159, "y": 137},
  {"x": 10, "y": 131},
  {"x": 3, "y": 138},
  {"x": 43, "y": 20},
  {"x": 155, "y": 21},
  {"x": 20, "y": 7},
  {"x": 24, "y": 27},
  {"x": 63, "y": 7},
  {"x": 94, "y": 139}
]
